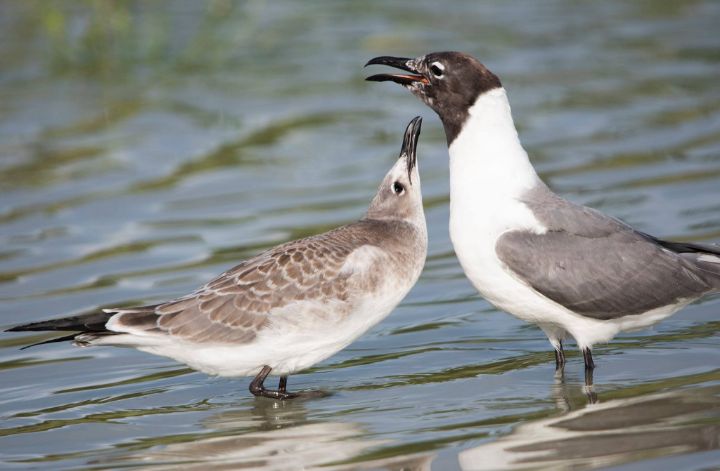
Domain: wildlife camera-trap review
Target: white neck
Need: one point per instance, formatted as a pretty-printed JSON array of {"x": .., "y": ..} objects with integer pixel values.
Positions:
[
  {"x": 487, "y": 153},
  {"x": 489, "y": 173}
]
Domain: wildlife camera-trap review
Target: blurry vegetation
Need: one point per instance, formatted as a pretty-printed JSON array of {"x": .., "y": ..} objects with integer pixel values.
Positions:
[{"x": 111, "y": 38}]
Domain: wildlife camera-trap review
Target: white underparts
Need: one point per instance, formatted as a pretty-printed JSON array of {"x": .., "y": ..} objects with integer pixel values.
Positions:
[{"x": 489, "y": 174}]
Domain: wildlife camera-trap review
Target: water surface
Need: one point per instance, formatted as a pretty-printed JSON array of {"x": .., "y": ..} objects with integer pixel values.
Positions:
[{"x": 145, "y": 147}]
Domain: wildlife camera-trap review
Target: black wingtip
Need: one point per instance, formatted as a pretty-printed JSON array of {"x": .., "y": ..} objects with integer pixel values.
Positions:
[
  {"x": 93, "y": 321},
  {"x": 55, "y": 340},
  {"x": 33, "y": 327},
  {"x": 19, "y": 328}
]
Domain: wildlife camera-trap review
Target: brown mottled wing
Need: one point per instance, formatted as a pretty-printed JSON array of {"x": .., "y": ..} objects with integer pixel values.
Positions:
[{"x": 236, "y": 305}]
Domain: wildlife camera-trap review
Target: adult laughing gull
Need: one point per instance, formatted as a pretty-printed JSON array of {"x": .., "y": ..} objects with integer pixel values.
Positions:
[
  {"x": 567, "y": 268},
  {"x": 287, "y": 308}
]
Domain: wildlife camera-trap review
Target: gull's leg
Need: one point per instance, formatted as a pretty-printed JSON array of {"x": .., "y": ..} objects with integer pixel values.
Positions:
[
  {"x": 555, "y": 335},
  {"x": 587, "y": 356},
  {"x": 258, "y": 390},
  {"x": 559, "y": 356}
]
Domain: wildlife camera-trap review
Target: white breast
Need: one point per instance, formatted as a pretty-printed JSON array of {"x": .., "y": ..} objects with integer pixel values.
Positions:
[{"x": 489, "y": 173}]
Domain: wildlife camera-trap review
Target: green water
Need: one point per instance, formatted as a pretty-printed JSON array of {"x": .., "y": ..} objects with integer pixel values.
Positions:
[{"x": 146, "y": 146}]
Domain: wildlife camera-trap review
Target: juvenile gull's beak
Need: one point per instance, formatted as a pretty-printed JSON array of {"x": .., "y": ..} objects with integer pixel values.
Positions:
[
  {"x": 409, "y": 145},
  {"x": 402, "y": 63}
]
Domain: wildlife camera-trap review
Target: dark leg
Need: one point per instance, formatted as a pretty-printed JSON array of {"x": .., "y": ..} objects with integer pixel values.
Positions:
[
  {"x": 258, "y": 390},
  {"x": 282, "y": 385},
  {"x": 559, "y": 357},
  {"x": 587, "y": 356}
]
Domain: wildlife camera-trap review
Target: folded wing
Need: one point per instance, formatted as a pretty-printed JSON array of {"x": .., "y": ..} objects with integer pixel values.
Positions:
[{"x": 238, "y": 304}]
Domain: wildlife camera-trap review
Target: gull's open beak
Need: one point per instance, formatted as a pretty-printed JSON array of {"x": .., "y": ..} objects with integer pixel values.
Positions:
[
  {"x": 409, "y": 145},
  {"x": 402, "y": 63}
]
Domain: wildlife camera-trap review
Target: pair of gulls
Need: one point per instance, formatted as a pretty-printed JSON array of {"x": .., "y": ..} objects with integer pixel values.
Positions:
[{"x": 569, "y": 269}]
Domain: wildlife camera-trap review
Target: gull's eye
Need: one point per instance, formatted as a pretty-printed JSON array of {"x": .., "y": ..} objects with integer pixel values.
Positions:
[
  {"x": 437, "y": 69},
  {"x": 398, "y": 188}
]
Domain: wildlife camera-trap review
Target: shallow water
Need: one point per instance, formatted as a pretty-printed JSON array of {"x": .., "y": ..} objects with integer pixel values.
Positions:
[{"x": 145, "y": 147}]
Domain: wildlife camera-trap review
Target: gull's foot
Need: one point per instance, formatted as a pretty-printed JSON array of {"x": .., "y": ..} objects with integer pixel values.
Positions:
[
  {"x": 273, "y": 394},
  {"x": 285, "y": 395},
  {"x": 281, "y": 393}
]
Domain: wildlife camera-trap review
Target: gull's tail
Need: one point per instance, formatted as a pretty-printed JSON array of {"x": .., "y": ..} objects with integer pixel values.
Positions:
[
  {"x": 706, "y": 257},
  {"x": 93, "y": 323}
]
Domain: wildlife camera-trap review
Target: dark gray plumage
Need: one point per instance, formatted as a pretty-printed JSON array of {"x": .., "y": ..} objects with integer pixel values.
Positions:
[{"x": 601, "y": 268}]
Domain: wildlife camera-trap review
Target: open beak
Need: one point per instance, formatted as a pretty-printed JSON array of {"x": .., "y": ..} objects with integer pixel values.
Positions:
[
  {"x": 409, "y": 145},
  {"x": 402, "y": 63}
]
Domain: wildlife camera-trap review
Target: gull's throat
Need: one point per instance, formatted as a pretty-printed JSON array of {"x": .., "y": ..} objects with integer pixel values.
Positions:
[{"x": 487, "y": 160}]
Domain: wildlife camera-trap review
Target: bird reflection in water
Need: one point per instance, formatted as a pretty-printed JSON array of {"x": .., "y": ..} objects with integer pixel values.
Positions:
[
  {"x": 606, "y": 434},
  {"x": 561, "y": 393},
  {"x": 273, "y": 435}
]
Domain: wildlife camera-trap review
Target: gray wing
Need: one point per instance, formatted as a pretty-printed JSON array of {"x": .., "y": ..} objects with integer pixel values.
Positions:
[
  {"x": 599, "y": 267},
  {"x": 236, "y": 305}
]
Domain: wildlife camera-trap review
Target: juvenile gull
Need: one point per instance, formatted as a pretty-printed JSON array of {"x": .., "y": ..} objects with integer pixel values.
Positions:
[
  {"x": 287, "y": 308},
  {"x": 567, "y": 268}
]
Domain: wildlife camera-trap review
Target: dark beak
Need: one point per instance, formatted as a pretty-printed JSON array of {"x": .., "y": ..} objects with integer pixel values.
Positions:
[
  {"x": 409, "y": 145},
  {"x": 402, "y": 63}
]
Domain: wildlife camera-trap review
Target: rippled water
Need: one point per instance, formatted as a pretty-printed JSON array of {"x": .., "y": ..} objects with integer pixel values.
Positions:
[{"x": 146, "y": 146}]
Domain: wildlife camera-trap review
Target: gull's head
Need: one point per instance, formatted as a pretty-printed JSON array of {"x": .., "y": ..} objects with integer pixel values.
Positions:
[
  {"x": 448, "y": 82},
  {"x": 399, "y": 196}
]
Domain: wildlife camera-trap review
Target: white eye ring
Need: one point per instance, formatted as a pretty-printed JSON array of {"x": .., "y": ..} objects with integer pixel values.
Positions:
[
  {"x": 437, "y": 69},
  {"x": 398, "y": 188}
]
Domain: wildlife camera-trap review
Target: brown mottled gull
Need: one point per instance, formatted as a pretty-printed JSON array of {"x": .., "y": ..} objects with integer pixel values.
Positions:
[{"x": 287, "y": 308}]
